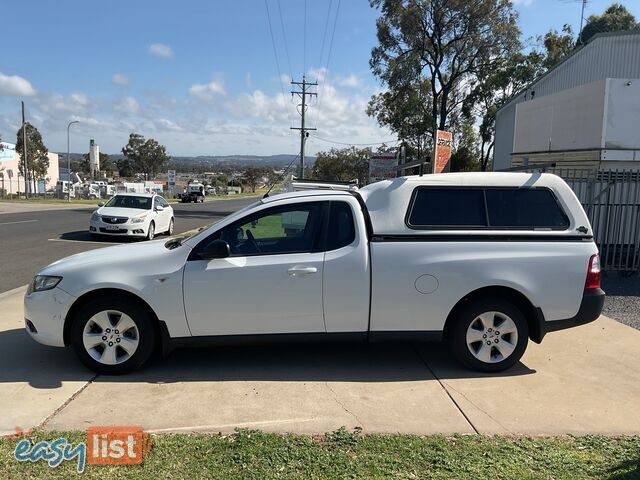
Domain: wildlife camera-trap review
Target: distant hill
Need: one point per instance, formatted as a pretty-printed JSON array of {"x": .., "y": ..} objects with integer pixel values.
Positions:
[{"x": 281, "y": 160}]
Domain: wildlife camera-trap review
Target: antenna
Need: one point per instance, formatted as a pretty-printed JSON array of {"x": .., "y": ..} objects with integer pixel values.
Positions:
[{"x": 281, "y": 176}]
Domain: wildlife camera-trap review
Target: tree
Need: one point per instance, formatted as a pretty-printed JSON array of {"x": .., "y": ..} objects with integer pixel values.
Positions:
[
  {"x": 37, "y": 154},
  {"x": 493, "y": 87},
  {"x": 615, "y": 18},
  {"x": 442, "y": 42},
  {"x": 142, "y": 156},
  {"x": 252, "y": 176},
  {"x": 342, "y": 165},
  {"x": 557, "y": 45}
]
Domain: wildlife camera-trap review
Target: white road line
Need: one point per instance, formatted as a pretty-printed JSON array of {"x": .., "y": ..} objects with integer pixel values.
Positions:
[
  {"x": 21, "y": 221},
  {"x": 78, "y": 241}
]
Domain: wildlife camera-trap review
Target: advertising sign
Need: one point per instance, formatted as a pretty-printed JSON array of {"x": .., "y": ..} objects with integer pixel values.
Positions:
[
  {"x": 171, "y": 178},
  {"x": 442, "y": 153},
  {"x": 382, "y": 166},
  {"x": 7, "y": 151}
]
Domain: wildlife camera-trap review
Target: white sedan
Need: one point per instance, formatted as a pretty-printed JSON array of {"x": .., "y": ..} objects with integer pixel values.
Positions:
[{"x": 141, "y": 215}]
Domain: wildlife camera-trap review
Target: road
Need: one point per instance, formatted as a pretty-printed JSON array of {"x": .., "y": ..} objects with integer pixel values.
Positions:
[{"x": 31, "y": 240}]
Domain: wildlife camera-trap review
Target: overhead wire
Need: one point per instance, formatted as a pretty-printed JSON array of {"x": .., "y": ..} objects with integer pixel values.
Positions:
[
  {"x": 392, "y": 140},
  {"x": 326, "y": 68},
  {"x": 286, "y": 44}
]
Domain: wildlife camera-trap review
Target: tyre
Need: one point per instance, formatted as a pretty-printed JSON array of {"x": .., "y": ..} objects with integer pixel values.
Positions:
[
  {"x": 171, "y": 227},
  {"x": 489, "y": 335},
  {"x": 151, "y": 233},
  {"x": 95, "y": 237},
  {"x": 112, "y": 335}
]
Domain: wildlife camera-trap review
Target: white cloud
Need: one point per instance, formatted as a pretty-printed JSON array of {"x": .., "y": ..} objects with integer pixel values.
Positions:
[
  {"x": 161, "y": 50},
  {"x": 351, "y": 81},
  {"x": 15, "y": 86},
  {"x": 128, "y": 105},
  {"x": 206, "y": 91},
  {"x": 120, "y": 79},
  {"x": 524, "y": 3},
  {"x": 318, "y": 74},
  {"x": 164, "y": 124}
]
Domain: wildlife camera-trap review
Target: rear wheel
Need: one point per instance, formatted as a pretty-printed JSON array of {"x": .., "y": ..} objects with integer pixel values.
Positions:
[
  {"x": 489, "y": 335},
  {"x": 171, "y": 227},
  {"x": 112, "y": 336}
]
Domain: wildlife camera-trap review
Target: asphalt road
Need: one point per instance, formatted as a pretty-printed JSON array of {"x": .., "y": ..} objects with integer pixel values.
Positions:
[{"x": 32, "y": 240}]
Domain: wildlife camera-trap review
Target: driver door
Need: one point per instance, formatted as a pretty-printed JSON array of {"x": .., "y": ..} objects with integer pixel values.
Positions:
[{"x": 271, "y": 282}]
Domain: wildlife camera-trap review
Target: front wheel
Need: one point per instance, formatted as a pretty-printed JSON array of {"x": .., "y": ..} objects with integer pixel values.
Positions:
[
  {"x": 489, "y": 335},
  {"x": 151, "y": 233},
  {"x": 171, "y": 227},
  {"x": 113, "y": 336}
]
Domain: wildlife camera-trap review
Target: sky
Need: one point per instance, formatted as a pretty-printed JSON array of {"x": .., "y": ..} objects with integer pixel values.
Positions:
[{"x": 201, "y": 76}]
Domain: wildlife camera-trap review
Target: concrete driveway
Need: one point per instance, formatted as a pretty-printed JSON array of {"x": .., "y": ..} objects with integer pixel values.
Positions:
[{"x": 583, "y": 380}]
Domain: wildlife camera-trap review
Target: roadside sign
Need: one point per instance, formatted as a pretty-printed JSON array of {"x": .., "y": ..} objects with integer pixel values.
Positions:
[
  {"x": 382, "y": 166},
  {"x": 442, "y": 153},
  {"x": 171, "y": 178}
]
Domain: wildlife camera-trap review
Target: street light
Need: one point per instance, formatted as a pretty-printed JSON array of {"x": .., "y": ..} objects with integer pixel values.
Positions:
[{"x": 69, "y": 163}]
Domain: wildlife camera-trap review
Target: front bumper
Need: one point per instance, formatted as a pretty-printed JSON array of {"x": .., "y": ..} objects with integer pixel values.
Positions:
[
  {"x": 590, "y": 309},
  {"x": 44, "y": 314},
  {"x": 118, "y": 230}
]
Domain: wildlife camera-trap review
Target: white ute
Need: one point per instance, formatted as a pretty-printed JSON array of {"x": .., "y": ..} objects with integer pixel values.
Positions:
[{"x": 485, "y": 261}]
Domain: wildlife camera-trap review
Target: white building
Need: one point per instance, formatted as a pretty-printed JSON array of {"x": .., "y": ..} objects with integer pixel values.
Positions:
[
  {"x": 584, "y": 113},
  {"x": 13, "y": 182}
]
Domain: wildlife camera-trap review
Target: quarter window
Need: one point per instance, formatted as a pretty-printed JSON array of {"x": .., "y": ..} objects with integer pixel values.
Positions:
[
  {"x": 524, "y": 208},
  {"x": 341, "y": 231},
  {"x": 456, "y": 207}
]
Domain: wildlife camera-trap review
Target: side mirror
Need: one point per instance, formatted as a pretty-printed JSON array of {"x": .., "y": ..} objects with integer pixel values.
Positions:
[
  {"x": 101, "y": 204},
  {"x": 159, "y": 208},
  {"x": 216, "y": 249}
]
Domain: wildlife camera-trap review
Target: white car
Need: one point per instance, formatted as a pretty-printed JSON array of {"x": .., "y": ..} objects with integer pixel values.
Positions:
[
  {"x": 143, "y": 215},
  {"x": 485, "y": 261}
]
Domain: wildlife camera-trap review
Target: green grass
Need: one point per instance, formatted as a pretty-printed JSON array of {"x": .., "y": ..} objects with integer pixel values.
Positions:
[{"x": 343, "y": 454}]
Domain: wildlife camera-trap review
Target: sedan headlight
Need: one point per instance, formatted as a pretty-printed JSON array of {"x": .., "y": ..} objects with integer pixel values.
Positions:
[
  {"x": 138, "y": 219},
  {"x": 41, "y": 283},
  {"x": 95, "y": 216}
]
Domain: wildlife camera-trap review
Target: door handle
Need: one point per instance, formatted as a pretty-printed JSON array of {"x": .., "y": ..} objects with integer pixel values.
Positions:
[{"x": 300, "y": 270}]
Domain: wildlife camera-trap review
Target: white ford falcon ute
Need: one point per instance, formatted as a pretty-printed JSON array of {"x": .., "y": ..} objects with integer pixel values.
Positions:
[{"x": 485, "y": 261}]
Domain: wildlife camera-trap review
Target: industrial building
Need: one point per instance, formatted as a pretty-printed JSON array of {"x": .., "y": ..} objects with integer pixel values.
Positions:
[
  {"x": 12, "y": 182},
  {"x": 584, "y": 113}
]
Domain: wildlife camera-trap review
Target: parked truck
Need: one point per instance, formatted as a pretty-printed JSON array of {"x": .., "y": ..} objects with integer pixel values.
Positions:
[
  {"x": 194, "y": 192},
  {"x": 484, "y": 261}
]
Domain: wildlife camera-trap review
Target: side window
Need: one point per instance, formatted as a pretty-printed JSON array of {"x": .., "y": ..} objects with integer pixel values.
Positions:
[
  {"x": 524, "y": 208},
  {"x": 163, "y": 202},
  {"x": 341, "y": 231},
  {"x": 287, "y": 229},
  {"x": 447, "y": 207},
  {"x": 156, "y": 201}
]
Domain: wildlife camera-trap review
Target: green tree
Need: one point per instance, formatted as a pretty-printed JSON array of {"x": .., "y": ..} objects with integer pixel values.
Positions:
[
  {"x": 615, "y": 18},
  {"x": 557, "y": 45},
  {"x": 442, "y": 42},
  {"x": 37, "y": 154},
  {"x": 147, "y": 157},
  {"x": 252, "y": 176},
  {"x": 342, "y": 165}
]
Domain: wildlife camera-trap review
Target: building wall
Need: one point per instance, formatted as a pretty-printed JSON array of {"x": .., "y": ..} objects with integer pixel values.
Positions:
[{"x": 9, "y": 160}]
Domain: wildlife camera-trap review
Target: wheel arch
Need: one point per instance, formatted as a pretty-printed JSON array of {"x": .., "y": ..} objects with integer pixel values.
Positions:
[
  {"x": 532, "y": 314},
  {"x": 93, "y": 295}
]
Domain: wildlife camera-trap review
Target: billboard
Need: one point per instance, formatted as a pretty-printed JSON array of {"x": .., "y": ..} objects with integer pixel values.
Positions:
[
  {"x": 171, "y": 178},
  {"x": 382, "y": 166},
  {"x": 7, "y": 152},
  {"x": 442, "y": 153}
]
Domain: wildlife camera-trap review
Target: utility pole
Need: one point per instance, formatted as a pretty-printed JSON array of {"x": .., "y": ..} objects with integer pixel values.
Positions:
[
  {"x": 584, "y": 4},
  {"x": 69, "y": 163},
  {"x": 303, "y": 130},
  {"x": 24, "y": 151}
]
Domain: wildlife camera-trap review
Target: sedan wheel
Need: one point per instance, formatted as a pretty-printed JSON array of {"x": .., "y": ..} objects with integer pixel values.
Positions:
[
  {"x": 171, "y": 226},
  {"x": 113, "y": 335},
  {"x": 489, "y": 335},
  {"x": 151, "y": 233}
]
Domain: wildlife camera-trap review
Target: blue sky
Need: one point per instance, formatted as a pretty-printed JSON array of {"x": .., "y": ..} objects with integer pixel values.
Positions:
[{"x": 200, "y": 76}]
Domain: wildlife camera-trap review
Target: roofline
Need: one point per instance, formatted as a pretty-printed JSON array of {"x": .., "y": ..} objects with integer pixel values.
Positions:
[{"x": 564, "y": 59}]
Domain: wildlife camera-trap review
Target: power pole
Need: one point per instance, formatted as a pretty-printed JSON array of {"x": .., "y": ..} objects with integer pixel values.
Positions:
[
  {"x": 303, "y": 130},
  {"x": 24, "y": 151}
]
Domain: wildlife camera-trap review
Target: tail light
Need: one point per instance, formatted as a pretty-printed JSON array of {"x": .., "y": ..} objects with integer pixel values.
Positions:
[{"x": 593, "y": 273}]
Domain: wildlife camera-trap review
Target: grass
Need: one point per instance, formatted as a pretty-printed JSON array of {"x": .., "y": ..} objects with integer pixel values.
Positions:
[{"x": 344, "y": 454}]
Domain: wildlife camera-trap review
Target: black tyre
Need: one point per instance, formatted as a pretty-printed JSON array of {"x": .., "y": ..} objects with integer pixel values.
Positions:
[
  {"x": 489, "y": 335},
  {"x": 151, "y": 233},
  {"x": 171, "y": 227},
  {"x": 112, "y": 335}
]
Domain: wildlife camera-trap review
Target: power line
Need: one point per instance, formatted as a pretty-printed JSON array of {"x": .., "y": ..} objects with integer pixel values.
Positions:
[
  {"x": 326, "y": 69},
  {"x": 304, "y": 50},
  {"x": 284, "y": 36},
  {"x": 355, "y": 144}
]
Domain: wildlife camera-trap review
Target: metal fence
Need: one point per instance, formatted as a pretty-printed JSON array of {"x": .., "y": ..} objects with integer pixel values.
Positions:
[{"x": 611, "y": 199}]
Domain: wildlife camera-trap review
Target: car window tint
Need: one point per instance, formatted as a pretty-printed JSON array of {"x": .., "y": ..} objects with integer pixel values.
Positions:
[
  {"x": 441, "y": 207},
  {"x": 341, "y": 231},
  {"x": 291, "y": 229},
  {"x": 129, "y": 201},
  {"x": 524, "y": 207}
]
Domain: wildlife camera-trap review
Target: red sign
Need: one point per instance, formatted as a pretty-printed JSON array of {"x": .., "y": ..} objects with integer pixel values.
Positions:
[{"x": 442, "y": 153}]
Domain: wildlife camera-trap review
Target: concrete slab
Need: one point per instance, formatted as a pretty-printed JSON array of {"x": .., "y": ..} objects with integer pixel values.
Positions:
[
  {"x": 311, "y": 389},
  {"x": 583, "y": 380},
  {"x": 34, "y": 380}
]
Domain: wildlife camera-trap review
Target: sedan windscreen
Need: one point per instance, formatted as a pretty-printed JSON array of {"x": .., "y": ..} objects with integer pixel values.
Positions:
[{"x": 129, "y": 201}]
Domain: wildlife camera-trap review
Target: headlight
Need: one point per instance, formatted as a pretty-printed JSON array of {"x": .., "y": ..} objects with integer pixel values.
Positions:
[
  {"x": 138, "y": 219},
  {"x": 95, "y": 217},
  {"x": 41, "y": 283}
]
